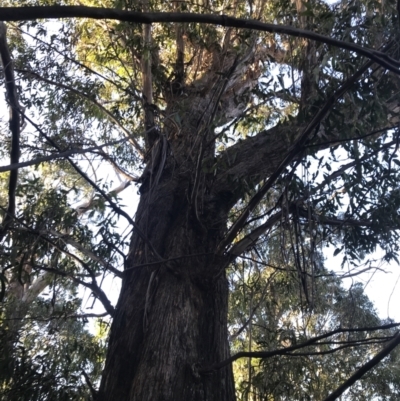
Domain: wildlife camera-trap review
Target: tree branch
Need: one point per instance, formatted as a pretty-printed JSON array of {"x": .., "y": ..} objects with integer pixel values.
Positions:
[
  {"x": 283, "y": 351},
  {"x": 147, "y": 77},
  {"x": 96, "y": 290},
  {"x": 74, "y": 316},
  {"x": 106, "y": 196},
  {"x": 79, "y": 64},
  {"x": 36, "y": 288},
  {"x": 294, "y": 150},
  {"x": 247, "y": 159},
  {"x": 93, "y": 391},
  {"x": 242, "y": 245},
  {"x": 83, "y": 95},
  {"x": 66, "y": 153},
  {"x": 52, "y": 12},
  {"x": 365, "y": 368},
  {"x": 14, "y": 123},
  {"x": 87, "y": 252},
  {"x": 116, "y": 167}
]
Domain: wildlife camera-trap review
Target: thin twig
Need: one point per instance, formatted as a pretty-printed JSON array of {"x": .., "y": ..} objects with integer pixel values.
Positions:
[{"x": 365, "y": 368}]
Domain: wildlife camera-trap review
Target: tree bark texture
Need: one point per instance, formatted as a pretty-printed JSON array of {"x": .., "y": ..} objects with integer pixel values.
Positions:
[{"x": 171, "y": 318}]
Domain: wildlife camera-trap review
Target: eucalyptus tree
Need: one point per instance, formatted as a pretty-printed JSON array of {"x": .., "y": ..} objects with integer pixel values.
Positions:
[
  {"x": 267, "y": 313},
  {"x": 248, "y": 120}
]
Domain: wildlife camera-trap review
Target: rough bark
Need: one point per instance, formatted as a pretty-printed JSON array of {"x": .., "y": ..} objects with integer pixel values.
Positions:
[{"x": 171, "y": 317}]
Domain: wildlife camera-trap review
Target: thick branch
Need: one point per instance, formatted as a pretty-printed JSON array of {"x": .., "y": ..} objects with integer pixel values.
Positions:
[
  {"x": 51, "y": 12},
  {"x": 287, "y": 157},
  {"x": 296, "y": 207},
  {"x": 36, "y": 288},
  {"x": 262, "y": 155}
]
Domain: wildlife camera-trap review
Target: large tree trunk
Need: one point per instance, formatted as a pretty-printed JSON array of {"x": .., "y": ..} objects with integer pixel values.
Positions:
[{"x": 171, "y": 318}]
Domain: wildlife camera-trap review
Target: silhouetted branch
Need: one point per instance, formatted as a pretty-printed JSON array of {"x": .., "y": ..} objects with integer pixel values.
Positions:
[
  {"x": 14, "y": 123},
  {"x": 93, "y": 391},
  {"x": 365, "y": 368},
  {"x": 289, "y": 350},
  {"x": 74, "y": 316},
  {"x": 89, "y": 99},
  {"x": 96, "y": 290},
  {"x": 107, "y": 197},
  {"x": 51, "y": 12},
  {"x": 60, "y": 155}
]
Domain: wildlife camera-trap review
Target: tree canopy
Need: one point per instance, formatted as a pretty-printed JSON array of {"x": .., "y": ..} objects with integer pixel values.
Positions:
[{"x": 254, "y": 135}]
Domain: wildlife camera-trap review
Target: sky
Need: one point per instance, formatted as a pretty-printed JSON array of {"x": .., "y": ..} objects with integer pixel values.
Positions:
[{"x": 382, "y": 287}]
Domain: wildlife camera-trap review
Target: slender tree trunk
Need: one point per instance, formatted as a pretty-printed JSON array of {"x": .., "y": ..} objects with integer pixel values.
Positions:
[{"x": 171, "y": 317}]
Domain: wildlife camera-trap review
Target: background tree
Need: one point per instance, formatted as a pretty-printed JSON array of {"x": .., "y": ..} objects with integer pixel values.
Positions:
[
  {"x": 254, "y": 125},
  {"x": 267, "y": 313}
]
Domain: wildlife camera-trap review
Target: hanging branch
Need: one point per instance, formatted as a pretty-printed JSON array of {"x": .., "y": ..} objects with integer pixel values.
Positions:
[
  {"x": 106, "y": 196},
  {"x": 93, "y": 286},
  {"x": 14, "y": 123}
]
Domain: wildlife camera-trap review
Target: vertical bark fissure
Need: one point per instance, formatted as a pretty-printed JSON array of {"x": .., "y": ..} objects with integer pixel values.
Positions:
[{"x": 171, "y": 318}]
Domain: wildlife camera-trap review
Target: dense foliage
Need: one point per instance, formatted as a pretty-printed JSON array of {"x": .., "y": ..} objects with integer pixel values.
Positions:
[{"x": 298, "y": 136}]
